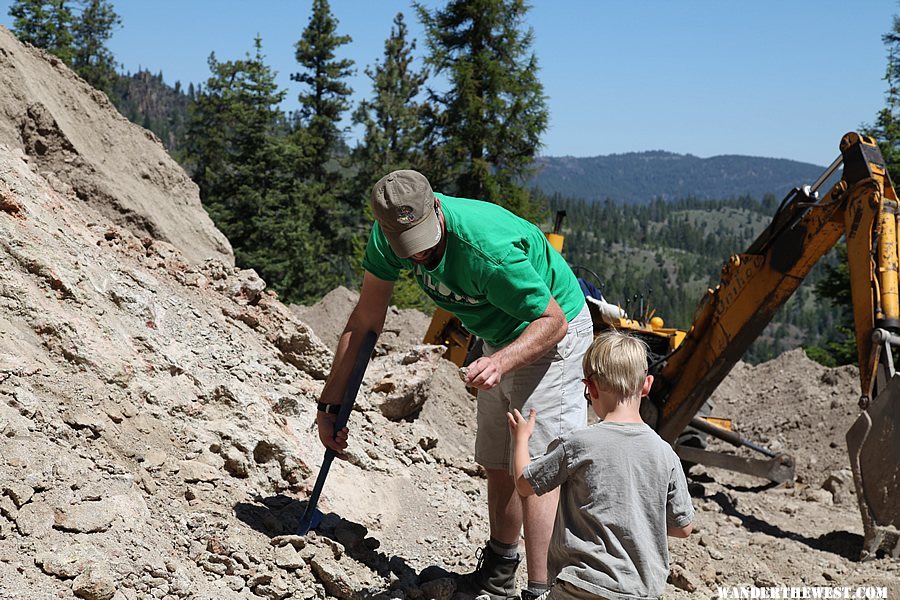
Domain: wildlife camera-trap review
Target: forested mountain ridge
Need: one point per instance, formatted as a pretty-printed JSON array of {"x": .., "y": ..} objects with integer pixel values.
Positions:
[
  {"x": 145, "y": 99},
  {"x": 662, "y": 256},
  {"x": 638, "y": 177}
]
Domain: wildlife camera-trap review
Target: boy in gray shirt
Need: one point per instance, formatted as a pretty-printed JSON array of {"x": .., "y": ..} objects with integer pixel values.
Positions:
[{"x": 622, "y": 489}]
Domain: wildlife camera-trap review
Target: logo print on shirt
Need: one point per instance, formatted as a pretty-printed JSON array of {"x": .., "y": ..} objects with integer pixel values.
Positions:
[{"x": 439, "y": 290}]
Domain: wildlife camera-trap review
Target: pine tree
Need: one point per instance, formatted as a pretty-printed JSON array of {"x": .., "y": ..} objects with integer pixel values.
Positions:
[
  {"x": 489, "y": 123},
  {"x": 239, "y": 152},
  {"x": 92, "y": 60},
  {"x": 835, "y": 286},
  {"x": 336, "y": 211},
  {"x": 44, "y": 24},
  {"x": 328, "y": 95},
  {"x": 393, "y": 118},
  {"x": 393, "y": 121}
]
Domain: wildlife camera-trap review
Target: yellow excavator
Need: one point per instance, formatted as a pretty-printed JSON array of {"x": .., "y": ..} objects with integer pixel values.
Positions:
[{"x": 688, "y": 365}]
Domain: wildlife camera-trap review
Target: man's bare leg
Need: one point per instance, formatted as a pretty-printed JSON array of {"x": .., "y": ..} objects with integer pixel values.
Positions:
[
  {"x": 504, "y": 507},
  {"x": 539, "y": 515}
]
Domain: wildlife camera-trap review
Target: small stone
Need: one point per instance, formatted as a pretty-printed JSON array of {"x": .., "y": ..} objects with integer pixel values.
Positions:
[
  {"x": 87, "y": 517},
  {"x": 819, "y": 495},
  {"x": 35, "y": 518},
  {"x": 8, "y": 508},
  {"x": 286, "y": 557},
  {"x": 65, "y": 564},
  {"x": 297, "y": 541},
  {"x": 682, "y": 578},
  {"x": 18, "y": 492},
  {"x": 214, "y": 567},
  {"x": 113, "y": 411},
  {"x": 193, "y": 471},
  {"x": 439, "y": 589},
  {"x": 234, "y": 582},
  {"x": 94, "y": 583},
  {"x": 839, "y": 484},
  {"x": 128, "y": 409},
  {"x": 154, "y": 458},
  {"x": 81, "y": 419}
]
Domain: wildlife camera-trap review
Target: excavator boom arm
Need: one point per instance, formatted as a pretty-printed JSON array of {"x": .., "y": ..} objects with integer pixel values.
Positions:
[{"x": 863, "y": 207}]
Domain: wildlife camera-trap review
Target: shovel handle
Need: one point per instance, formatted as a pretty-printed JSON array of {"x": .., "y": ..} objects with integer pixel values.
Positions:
[
  {"x": 353, "y": 383},
  {"x": 355, "y": 380}
]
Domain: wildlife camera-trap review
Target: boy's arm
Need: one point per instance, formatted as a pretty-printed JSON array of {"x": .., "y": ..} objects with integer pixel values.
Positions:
[
  {"x": 680, "y": 532},
  {"x": 679, "y": 509},
  {"x": 521, "y": 459},
  {"x": 521, "y": 432}
]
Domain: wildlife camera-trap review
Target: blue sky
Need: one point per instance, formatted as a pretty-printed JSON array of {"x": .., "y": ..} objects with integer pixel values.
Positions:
[{"x": 707, "y": 77}]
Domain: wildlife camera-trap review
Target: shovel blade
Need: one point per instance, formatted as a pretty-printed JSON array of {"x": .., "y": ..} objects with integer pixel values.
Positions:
[
  {"x": 874, "y": 446},
  {"x": 311, "y": 519}
]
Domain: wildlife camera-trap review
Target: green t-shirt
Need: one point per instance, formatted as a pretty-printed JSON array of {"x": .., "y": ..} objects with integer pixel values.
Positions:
[{"x": 497, "y": 274}]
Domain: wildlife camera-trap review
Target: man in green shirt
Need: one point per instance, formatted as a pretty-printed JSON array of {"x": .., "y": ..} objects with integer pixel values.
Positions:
[{"x": 498, "y": 274}]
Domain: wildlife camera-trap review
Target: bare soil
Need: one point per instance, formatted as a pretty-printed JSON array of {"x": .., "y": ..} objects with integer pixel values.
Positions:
[{"x": 156, "y": 403}]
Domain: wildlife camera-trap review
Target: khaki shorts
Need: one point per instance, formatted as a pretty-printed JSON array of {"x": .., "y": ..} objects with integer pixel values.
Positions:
[{"x": 551, "y": 385}]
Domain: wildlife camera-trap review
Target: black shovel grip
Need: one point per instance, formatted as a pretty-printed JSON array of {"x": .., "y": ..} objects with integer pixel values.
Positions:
[{"x": 355, "y": 380}]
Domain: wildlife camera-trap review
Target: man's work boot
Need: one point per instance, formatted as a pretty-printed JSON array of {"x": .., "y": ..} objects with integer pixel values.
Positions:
[
  {"x": 528, "y": 595},
  {"x": 494, "y": 577}
]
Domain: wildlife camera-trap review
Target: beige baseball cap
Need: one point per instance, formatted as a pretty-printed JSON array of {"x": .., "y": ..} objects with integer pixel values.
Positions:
[{"x": 403, "y": 204}]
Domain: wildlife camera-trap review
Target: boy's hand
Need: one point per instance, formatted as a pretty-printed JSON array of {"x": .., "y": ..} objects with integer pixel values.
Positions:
[{"x": 520, "y": 428}]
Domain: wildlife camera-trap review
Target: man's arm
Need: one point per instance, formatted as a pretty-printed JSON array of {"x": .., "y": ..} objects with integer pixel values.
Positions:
[
  {"x": 538, "y": 337},
  {"x": 368, "y": 315}
]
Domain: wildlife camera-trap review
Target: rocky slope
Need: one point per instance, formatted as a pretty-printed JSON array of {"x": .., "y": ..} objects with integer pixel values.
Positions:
[
  {"x": 156, "y": 402},
  {"x": 74, "y": 135}
]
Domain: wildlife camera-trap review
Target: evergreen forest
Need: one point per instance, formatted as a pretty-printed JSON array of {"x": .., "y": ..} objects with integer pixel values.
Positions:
[{"x": 289, "y": 189}]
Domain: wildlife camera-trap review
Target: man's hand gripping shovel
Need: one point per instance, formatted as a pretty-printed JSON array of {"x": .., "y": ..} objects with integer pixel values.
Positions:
[{"x": 313, "y": 516}]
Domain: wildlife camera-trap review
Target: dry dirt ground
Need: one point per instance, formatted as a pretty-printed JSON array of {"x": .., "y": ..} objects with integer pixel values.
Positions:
[{"x": 156, "y": 402}]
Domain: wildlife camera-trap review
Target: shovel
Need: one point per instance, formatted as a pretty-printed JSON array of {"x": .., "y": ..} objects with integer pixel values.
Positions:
[{"x": 313, "y": 516}]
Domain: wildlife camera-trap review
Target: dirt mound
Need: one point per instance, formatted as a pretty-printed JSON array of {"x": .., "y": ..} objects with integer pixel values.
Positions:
[
  {"x": 403, "y": 328},
  {"x": 74, "y": 135},
  {"x": 805, "y": 533},
  {"x": 794, "y": 404},
  {"x": 156, "y": 438}
]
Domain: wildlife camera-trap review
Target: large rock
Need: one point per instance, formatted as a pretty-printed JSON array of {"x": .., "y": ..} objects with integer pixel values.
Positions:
[{"x": 67, "y": 128}]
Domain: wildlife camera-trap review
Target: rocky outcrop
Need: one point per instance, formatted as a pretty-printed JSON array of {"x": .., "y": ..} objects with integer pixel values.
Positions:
[{"x": 75, "y": 137}]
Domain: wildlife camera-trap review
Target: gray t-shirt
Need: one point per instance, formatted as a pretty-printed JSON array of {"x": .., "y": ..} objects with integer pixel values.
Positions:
[{"x": 622, "y": 485}]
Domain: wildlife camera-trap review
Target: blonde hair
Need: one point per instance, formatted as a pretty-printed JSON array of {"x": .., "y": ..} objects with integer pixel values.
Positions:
[{"x": 616, "y": 362}]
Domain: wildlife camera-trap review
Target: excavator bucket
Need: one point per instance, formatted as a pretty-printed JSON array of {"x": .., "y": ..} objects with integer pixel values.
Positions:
[{"x": 874, "y": 445}]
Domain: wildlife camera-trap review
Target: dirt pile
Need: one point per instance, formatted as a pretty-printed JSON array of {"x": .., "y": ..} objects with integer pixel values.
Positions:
[
  {"x": 155, "y": 413},
  {"x": 73, "y": 134},
  {"x": 155, "y": 427},
  {"x": 327, "y": 317},
  {"x": 808, "y": 533}
]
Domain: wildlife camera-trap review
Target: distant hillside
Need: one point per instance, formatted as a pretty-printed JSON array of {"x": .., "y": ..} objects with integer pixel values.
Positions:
[
  {"x": 638, "y": 177},
  {"x": 145, "y": 99},
  {"x": 663, "y": 255}
]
